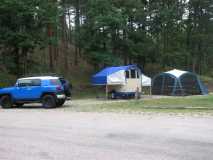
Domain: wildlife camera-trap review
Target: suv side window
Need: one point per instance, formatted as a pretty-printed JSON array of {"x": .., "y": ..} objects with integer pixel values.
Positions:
[
  {"x": 55, "y": 82},
  {"x": 24, "y": 82},
  {"x": 29, "y": 82},
  {"x": 35, "y": 82}
]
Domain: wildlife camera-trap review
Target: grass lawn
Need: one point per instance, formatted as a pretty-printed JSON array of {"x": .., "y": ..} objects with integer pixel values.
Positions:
[{"x": 189, "y": 104}]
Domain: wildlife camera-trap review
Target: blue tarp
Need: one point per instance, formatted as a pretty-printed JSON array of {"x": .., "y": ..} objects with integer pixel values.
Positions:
[{"x": 101, "y": 77}]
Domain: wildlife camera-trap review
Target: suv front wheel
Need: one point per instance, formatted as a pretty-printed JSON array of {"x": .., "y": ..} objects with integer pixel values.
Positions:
[
  {"x": 48, "y": 101},
  {"x": 6, "y": 101}
]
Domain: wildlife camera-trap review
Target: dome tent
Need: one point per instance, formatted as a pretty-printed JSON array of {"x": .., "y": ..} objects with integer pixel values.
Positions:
[{"x": 177, "y": 82}]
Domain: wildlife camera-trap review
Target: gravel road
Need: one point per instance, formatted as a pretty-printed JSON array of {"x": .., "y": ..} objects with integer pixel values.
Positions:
[{"x": 57, "y": 134}]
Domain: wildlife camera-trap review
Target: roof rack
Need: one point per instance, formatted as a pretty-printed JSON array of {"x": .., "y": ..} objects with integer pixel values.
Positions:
[{"x": 41, "y": 75}]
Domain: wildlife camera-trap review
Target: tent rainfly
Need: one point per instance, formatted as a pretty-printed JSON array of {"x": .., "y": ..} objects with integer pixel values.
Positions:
[
  {"x": 122, "y": 81},
  {"x": 146, "y": 84},
  {"x": 177, "y": 82},
  {"x": 146, "y": 81}
]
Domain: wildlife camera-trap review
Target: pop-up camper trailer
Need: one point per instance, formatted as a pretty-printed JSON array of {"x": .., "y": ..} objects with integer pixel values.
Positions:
[{"x": 120, "y": 82}]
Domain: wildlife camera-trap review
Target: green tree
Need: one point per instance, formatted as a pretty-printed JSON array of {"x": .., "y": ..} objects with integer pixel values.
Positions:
[
  {"x": 199, "y": 34},
  {"x": 100, "y": 32},
  {"x": 23, "y": 28}
]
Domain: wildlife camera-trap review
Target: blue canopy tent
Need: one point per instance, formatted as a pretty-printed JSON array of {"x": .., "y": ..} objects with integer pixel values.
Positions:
[
  {"x": 102, "y": 77},
  {"x": 118, "y": 76}
]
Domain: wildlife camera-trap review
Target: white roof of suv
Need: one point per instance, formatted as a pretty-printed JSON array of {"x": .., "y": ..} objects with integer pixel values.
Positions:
[{"x": 40, "y": 77}]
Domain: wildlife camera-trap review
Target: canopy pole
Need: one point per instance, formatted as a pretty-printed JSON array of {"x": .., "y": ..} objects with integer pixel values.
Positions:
[{"x": 106, "y": 91}]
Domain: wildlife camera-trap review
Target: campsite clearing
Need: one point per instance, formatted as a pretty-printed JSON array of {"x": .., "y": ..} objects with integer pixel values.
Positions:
[
  {"x": 147, "y": 104},
  {"x": 161, "y": 104}
]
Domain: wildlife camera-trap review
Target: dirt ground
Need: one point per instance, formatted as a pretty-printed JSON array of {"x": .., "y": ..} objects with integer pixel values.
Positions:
[
  {"x": 59, "y": 134},
  {"x": 93, "y": 101}
]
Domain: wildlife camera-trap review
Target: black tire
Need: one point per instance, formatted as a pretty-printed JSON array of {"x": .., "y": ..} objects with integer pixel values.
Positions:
[
  {"x": 6, "y": 101},
  {"x": 48, "y": 101},
  {"x": 61, "y": 102},
  {"x": 112, "y": 95},
  {"x": 19, "y": 104}
]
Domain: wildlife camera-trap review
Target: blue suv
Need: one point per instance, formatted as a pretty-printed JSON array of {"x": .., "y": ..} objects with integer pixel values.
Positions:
[{"x": 47, "y": 90}]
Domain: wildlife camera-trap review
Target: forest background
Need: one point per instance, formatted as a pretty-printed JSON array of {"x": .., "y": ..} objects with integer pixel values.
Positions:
[{"x": 76, "y": 38}]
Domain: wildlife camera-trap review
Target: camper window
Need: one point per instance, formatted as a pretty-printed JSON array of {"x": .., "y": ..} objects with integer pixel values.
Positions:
[
  {"x": 137, "y": 74},
  {"x": 133, "y": 74},
  {"x": 127, "y": 74}
]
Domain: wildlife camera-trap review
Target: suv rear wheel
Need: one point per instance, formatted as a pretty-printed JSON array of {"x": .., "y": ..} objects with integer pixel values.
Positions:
[
  {"x": 19, "y": 104},
  {"x": 60, "y": 102},
  {"x": 48, "y": 101},
  {"x": 6, "y": 101}
]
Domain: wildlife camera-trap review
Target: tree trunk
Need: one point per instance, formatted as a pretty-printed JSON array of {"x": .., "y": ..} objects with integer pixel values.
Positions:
[
  {"x": 77, "y": 30},
  {"x": 51, "y": 59},
  {"x": 64, "y": 38},
  {"x": 17, "y": 62},
  {"x": 194, "y": 63}
]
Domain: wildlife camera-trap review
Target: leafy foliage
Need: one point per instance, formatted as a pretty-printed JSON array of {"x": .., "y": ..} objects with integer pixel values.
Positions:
[
  {"x": 166, "y": 34},
  {"x": 23, "y": 28}
]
